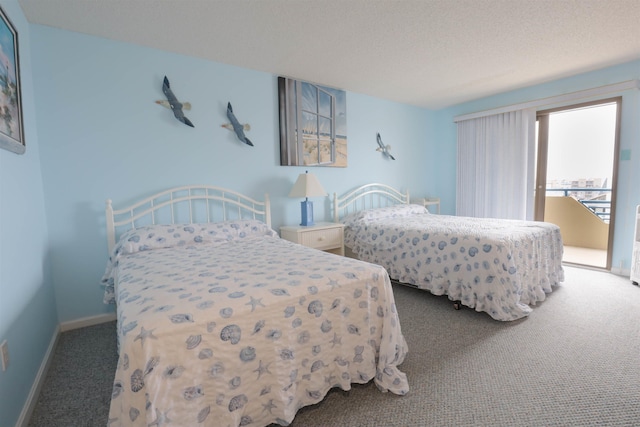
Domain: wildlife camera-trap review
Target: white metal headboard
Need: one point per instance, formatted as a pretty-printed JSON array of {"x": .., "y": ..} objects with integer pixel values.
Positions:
[
  {"x": 368, "y": 196},
  {"x": 187, "y": 204}
]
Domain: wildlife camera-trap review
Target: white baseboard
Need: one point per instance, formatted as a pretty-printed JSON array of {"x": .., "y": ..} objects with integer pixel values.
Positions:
[
  {"x": 87, "y": 321},
  {"x": 32, "y": 399},
  {"x": 621, "y": 272}
]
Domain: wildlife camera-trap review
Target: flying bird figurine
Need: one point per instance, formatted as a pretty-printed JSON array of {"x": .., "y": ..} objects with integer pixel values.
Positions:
[
  {"x": 236, "y": 126},
  {"x": 173, "y": 103},
  {"x": 245, "y": 127},
  {"x": 384, "y": 148}
]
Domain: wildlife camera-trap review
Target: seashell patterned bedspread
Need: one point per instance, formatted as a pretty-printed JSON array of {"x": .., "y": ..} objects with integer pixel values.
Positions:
[
  {"x": 496, "y": 266},
  {"x": 244, "y": 332}
]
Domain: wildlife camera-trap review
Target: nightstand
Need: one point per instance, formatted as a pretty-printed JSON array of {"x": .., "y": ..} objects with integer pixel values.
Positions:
[
  {"x": 326, "y": 236},
  {"x": 427, "y": 202}
]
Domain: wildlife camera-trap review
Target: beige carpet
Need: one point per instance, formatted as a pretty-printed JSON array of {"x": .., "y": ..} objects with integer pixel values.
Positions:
[{"x": 575, "y": 361}]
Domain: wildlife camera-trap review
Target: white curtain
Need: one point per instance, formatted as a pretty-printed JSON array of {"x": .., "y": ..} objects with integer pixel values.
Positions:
[{"x": 495, "y": 167}]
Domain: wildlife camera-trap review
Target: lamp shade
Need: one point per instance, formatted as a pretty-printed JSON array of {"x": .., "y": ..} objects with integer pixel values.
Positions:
[{"x": 307, "y": 185}]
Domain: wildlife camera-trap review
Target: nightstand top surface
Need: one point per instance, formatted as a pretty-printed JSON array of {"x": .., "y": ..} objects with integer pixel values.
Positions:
[{"x": 316, "y": 226}]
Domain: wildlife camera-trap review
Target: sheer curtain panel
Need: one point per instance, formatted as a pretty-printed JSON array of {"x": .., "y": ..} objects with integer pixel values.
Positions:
[{"x": 495, "y": 166}]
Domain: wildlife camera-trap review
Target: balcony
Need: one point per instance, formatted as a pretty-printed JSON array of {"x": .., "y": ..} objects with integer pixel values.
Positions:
[{"x": 584, "y": 225}]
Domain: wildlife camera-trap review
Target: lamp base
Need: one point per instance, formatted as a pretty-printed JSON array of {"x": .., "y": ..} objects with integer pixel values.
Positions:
[{"x": 306, "y": 208}]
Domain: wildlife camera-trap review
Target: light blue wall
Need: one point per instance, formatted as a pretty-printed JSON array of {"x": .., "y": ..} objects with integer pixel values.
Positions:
[
  {"x": 102, "y": 136},
  {"x": 28, "y": 315},
  {"x": 628, "y": 195}
]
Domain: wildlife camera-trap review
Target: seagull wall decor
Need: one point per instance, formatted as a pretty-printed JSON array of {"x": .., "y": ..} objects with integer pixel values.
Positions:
[
  {"x": 236, "y": 127},
  {"x": 173, "y": 103},
  {"x": 384, "y": 148}
]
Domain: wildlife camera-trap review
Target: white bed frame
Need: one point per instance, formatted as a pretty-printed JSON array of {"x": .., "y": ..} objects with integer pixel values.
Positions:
[
  {"x": 368, "y": 196},
  {"x": 186, "y": 204}
]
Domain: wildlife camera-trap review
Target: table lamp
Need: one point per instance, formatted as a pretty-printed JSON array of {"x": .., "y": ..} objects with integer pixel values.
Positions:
[{"x": 307, "y": 186}]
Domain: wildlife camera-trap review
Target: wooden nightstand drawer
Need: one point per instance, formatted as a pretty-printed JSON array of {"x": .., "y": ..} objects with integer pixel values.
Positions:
[
  {"x": 322, "y": 239},
  {"x": 326, "y": 236}
]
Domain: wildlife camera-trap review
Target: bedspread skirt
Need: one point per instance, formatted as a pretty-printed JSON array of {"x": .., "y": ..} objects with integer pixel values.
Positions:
[
  {"x": 500, "y": 267},
  {"x": 247, "y": 335}
]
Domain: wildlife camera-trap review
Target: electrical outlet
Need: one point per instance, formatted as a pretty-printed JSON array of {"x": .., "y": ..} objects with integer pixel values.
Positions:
[{"x": 4, "y": 353}]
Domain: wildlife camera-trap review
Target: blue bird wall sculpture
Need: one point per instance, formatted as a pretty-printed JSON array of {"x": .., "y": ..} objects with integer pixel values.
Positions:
[
  {"x": 173, "y": 103},
  {"x": 236, "y": 126},
  {"x": 384, "y": 148}
]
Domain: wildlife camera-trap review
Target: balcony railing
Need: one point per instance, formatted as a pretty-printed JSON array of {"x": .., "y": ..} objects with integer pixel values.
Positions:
[{"x": 597, "y": 200}]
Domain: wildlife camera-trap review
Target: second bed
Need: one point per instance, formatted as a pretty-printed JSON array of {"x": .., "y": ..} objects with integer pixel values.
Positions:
[{"x": 500, "y": 267}]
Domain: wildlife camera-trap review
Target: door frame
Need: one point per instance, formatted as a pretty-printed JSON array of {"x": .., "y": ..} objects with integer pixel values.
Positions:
[{"x": 542, "y": 117}]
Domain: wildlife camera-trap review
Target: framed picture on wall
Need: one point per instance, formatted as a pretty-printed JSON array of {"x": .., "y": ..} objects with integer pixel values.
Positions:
[
  {"x": 11, "y": 126},
  {"x": 313, "y": 124}
]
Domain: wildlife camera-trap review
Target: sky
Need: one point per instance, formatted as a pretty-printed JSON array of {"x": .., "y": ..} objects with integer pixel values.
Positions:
[{"x": 581, "y": 143}]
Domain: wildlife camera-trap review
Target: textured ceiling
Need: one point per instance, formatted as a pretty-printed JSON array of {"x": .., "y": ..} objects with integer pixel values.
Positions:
[{"x": 429, "y": 53}]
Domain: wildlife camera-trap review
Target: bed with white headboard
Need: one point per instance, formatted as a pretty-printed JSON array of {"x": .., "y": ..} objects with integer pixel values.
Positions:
[
  {"x": 222, "y": 323},
  {"x": 501, "y": 267}
]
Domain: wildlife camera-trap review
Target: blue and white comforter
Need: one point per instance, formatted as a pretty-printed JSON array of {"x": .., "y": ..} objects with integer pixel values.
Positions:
[
  {"x": 496, "y": 266},
  {"x": 244, "y": 330}
]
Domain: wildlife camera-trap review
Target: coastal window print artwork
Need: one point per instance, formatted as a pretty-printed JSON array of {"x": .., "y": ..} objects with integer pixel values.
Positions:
[
  {"x": 11, "y": 127},
  {"x": 313, "y": 124}
]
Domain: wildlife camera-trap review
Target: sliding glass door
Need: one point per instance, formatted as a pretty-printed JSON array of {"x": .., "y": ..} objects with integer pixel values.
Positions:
[{"x": 576, "y": 177}]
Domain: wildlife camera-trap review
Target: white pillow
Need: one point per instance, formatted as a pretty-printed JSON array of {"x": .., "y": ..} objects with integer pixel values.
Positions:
[
  {"x": 386, "y": 212},
  {"x": 169, "y": 235}
]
